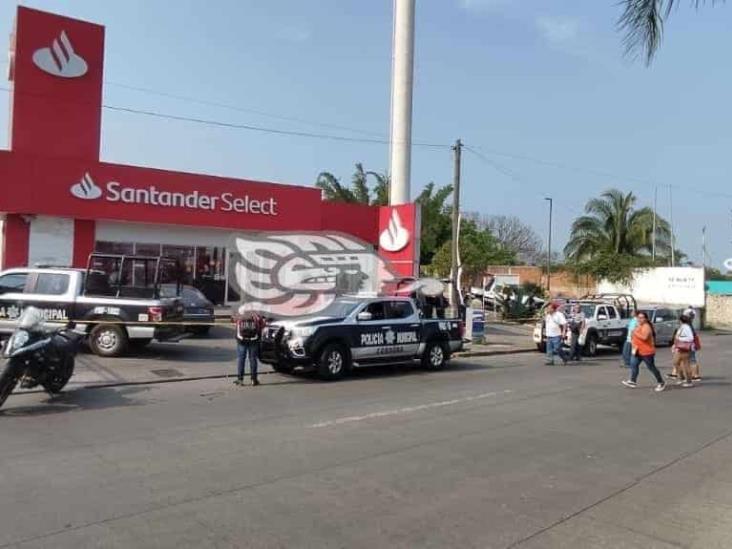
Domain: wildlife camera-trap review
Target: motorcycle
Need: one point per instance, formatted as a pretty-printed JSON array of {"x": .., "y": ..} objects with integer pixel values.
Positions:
[{"x": 36, "y": 356}]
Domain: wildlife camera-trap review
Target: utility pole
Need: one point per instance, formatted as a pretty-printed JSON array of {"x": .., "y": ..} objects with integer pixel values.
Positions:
[
  {"x": 455, "y": 256},
  {"x": 549, "y": 250},
  {"x": 402, "y": 75},
  {"x": 673, "y": 232},
  {"x": 655, "y": 207},
  {"x": 704, "y": 247}
]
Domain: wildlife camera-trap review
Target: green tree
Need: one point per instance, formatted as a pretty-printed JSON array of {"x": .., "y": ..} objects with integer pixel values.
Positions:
[
  {"x": 478, "y": 249},
  {"x": 359, "y": 192},
  {"x": 642, "y": 21},
  {"x": 613, "y": 226},
  {"x": 436, "y": 221}
]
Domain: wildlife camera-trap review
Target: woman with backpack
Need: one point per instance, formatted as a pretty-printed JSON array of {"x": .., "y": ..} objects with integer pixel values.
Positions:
[{"x": 683, "y": 345}]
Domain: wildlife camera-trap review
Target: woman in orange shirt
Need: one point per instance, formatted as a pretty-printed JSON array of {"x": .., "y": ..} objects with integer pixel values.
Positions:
[{"x": 644, "y": 350}]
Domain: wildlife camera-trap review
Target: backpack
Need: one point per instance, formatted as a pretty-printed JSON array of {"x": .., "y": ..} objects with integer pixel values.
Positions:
[{"x": 247, "y": 328}]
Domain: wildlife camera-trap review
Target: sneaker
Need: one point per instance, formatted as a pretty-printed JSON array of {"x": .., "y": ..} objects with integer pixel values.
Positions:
[
  {"x": 660, "y": 387},
  {"x": 238, "y": 381},
  {"x": 255, "y": 383},
  {"x": 672, "y": 376},
  {"x": 680, "y": 382},
  {"x": 696, "y": 378},
  {"x": 629, "y": 384},
  {"x": 687, "y": 384},
  {"x": 548, "y": 364}
]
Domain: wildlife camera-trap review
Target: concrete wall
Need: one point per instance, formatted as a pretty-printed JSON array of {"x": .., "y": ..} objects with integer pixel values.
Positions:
[{"x": 719, "y": 311}]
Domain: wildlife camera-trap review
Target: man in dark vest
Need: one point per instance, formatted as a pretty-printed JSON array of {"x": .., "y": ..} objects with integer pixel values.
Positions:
[{"x": 248, "y": 332}]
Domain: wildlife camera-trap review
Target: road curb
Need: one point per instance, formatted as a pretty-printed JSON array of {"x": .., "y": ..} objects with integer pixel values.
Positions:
[
  {"x": 470, "y": 354},
  {"x": 113, "y": 384}
]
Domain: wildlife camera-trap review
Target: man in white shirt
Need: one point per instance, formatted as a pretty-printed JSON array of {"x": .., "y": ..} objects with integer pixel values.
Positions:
[{"x": 555, "y": 323}]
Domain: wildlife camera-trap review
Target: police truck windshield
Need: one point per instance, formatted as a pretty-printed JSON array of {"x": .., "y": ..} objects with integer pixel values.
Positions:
[{"x": 340, "y": 308}]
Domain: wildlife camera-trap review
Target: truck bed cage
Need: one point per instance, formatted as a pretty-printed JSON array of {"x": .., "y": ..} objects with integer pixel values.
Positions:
[{"x": 625, "y": 303}]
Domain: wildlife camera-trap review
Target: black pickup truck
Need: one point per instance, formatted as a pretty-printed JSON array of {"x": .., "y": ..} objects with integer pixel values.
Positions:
[
  {"x": 117, "y": 311},
  {"x": 357, "y": 331}
]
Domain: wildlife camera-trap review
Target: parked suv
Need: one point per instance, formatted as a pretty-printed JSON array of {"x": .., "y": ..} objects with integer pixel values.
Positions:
[{"x": 665, "y": 321}]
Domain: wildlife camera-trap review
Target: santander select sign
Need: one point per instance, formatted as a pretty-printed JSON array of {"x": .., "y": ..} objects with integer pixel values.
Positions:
[{"x": 87, "y": 189}]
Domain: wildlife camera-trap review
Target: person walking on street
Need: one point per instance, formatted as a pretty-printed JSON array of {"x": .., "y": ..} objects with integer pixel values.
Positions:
[
  {"x": 694, "y": 356},
  {"x": 682, "y": 347},
  {"x": 248, "y": 331},
  {"x": 628, "y": 345},
  {"x": 576, "y": 327},
  {"x": 643, "y": 343},
  {"x": 555, "y": 324}
]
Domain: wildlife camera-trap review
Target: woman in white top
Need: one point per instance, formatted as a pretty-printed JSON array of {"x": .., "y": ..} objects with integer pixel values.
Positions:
[{"x": 683, "y": 345}]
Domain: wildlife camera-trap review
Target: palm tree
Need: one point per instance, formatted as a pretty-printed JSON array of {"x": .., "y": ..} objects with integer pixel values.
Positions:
[
  {"x": 359, "y": 191},
  {"x": 613, "y": 226},
  {"x": 642, "y": 21}
]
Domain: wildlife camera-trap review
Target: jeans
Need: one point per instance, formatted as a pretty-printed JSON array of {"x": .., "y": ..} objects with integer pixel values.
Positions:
[
  {"x": 650, "y": 362},
  {"x": 554, "y": 347},
  {"x": 246, "y": 350},
  {"x": 627, "y": 353},
  {"x": 575, "y": 352}
]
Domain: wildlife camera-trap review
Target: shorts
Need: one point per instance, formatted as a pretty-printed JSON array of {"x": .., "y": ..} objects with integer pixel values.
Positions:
[{"x": 681, "y": 359}]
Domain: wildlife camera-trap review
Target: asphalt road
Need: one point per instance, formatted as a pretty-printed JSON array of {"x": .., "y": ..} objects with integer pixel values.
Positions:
[{"x": 494, "y": 452}]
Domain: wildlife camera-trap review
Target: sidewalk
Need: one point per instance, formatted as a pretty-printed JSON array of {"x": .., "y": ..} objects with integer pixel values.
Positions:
[
  {"x": 501, "y": 339},
  {"x": 214, "y": 357}
]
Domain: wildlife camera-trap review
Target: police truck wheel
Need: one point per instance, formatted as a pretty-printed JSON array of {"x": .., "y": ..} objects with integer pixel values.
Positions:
[
  {"x": 108, "y": 340},
  {"x": 591, "y": 345},
  {"x": 435, "y": 356},
  {"x": 333, "y": 362}
]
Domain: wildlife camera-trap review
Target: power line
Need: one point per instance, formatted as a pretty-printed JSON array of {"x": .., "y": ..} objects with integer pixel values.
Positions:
[
  {"x": 251, "y": 127},
  {"x": 263, "y": 129},
  {"x": 238, "y": 108},
  {"x": 512, "y": 175}
]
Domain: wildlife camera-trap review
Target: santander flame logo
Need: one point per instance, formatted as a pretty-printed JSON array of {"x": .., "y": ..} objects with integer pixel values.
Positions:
[
  {"x": 60, "y": 59},
  {"x": 395, "y": 237},
  {"x": 86, "y": 189}
]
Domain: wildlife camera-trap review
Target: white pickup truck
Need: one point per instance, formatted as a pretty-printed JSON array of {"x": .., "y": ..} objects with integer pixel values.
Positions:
[{"x": 606, "y": 322}]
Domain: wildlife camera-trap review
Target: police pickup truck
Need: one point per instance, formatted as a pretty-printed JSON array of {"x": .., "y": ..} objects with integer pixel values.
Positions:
[
  {"x": 606, "y": 321},
  {"x": 357, "y": 331},
  {"x": 116, "y": 314}
]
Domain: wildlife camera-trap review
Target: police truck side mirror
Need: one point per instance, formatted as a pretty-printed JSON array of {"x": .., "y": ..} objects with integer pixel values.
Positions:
[{"x": 364, "y": 316}]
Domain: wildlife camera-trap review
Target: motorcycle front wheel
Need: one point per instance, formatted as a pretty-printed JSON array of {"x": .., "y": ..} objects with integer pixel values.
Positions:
[
  {"x": 8, "y": 380},
  {"x": 58, "y": 379}
]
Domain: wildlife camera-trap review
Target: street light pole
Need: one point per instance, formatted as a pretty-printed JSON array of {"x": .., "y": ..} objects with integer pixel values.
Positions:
[
  {"x": 655, "y": 206},
  {"x": 549, "y": 250}
]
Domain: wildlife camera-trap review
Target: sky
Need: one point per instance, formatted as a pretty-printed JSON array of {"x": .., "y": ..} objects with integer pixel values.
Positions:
[{"x": 538, "y": 90}]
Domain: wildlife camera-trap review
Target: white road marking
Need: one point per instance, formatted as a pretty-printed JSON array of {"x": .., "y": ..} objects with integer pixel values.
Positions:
[{"x": 405, "y": 410}]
